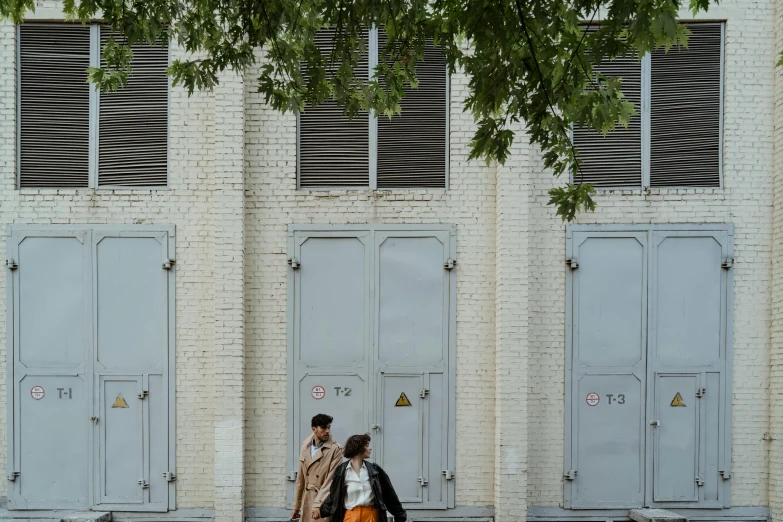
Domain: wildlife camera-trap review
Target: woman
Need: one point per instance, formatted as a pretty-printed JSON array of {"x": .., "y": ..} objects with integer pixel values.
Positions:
[{"x": 361, "y": 491}]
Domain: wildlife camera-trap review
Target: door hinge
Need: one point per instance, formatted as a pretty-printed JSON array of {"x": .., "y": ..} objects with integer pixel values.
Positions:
[
  {"x": 700, "y": 392},
  {"x": 572, "y": 262},
  {"x": 11, "y": 264},
  {"x": 291, "y": 476},
  {"x": 170, "y": 476},
  {"x": 699, "y": 482},
  {"x": 294, "y": 263},
  {"x": 143, "y": 394},
  {"x": 449, "y": 264},
  {"x": 144, "y": 484},
  {"x": 11, "y": 475},
  {"x": 168, "y": 263},
  {"x": 423, "y": 481},
  {"x": 725, "y": 473},
  {"x": 423, "y": 394},
  {"x": 727, "y": 263},
  {"x": 448, "y": 474},
  {"x": 571, "y": 475}
]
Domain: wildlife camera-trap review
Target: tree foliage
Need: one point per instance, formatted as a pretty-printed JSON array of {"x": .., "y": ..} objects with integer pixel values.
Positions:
[{"x": 529, "y": 62}]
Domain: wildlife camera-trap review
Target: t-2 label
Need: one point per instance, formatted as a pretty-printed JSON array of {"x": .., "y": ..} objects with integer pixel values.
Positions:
[{"x": 341, "y": 391}]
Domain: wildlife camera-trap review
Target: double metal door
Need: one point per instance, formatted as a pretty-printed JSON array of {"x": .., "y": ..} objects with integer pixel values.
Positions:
[
  {"x": 371, "y": 336},
  {"x": 88, "y": 367},
  {"x": 648, "y": 333}
]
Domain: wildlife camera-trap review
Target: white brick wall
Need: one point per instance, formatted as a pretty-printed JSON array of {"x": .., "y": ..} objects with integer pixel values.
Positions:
[
  {"x": 273, "y": 203},
  {"x": 745, "y": 201},
  {"x": 232, "y": 281}
]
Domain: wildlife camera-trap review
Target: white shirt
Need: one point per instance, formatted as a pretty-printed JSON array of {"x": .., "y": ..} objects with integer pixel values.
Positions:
[
  {"x": 314, "y": 449},
  {"x": 359, "y": 490}
]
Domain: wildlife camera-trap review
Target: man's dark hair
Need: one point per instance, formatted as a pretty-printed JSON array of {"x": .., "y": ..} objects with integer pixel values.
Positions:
[
  {"x": 355, "y": 445},
  {"x": 321, "y": 421}
]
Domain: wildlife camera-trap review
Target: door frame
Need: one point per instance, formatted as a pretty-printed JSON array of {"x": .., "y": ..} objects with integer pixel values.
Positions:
[
  {"x": 724, "y": 487},
  {"x": 15, "y": 233}
]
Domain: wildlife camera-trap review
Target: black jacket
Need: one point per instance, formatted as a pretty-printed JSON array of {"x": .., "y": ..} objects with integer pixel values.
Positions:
[{"x": 385, "y": 496}]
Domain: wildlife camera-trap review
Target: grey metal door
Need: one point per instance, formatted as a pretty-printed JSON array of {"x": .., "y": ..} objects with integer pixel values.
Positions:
[
  {"x": 370, "y": 336},
  {"x": 411, "y": 338},
  {"x": 649, "y": 349},
  {"x": 131, "y": 335},
  {"x": 688, "y": 460},
  {"x": 48, "y": 339},
  {"x": 330, "y": 333},
  {"x": 605, "y": 465},
  {"x": 89, "y": 333}
]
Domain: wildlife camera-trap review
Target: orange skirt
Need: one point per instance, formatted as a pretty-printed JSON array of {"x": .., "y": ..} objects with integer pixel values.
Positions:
[{"x": 361, "y": 514}]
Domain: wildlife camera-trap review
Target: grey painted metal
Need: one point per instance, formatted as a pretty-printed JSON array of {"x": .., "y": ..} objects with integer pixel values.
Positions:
[
  {"x": 47, "y": 294},
  {"x": 609, "y": 360},
  {"x": 121, "y": 271},
  {"x": 371, "y": 310},
  {"x": 646, "y": 95},
  {"x": 690, "y": 293},
  {"x": 95, "y": 106},
  {"x": 655, "y": 303},
  {"x": 372, "y": 63}
]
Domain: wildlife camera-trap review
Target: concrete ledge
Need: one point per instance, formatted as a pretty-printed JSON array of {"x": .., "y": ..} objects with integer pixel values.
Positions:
[
  {"x": 733, "y": 514},
  {"x": 88, "y": 516},
  {"x": 656, "y": 515}
]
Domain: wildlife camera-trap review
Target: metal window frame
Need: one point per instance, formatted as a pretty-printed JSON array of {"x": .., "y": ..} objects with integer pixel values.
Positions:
[
  {"x": 372, "y": 60},
  {"x": 94, "y": 169},
  {"x": 646, "y": 115},
  {"x": 94, "y": 117}
]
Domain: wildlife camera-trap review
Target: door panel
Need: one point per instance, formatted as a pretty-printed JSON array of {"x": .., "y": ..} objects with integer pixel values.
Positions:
[
  {"x": 344, "y": 396},
  {"x": 333, "y": 301},
  {"x": 49, "y": 425},
  {"x": 609, "y": 452},
  {"x": 121, "y": 441},
  {"x": 688, "y": 292},
  {"x": 132, "y": 309},
  {"x": 676, "y": 438},
  {"x": 402, "y": 434},
  {"x": 608, "y": 317},
  {"x": 412, "y": 285},
  {"x": 54, "y": 435}
]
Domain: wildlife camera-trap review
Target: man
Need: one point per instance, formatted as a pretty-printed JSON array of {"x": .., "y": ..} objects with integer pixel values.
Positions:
[{"x": 318, "y": 459}]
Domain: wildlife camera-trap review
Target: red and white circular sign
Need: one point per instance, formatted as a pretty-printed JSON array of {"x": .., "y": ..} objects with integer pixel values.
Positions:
[
  {"x": 318, "y": 392},
  {"x": 37, "y": 392},
  {"x": 592, "y": 399}
]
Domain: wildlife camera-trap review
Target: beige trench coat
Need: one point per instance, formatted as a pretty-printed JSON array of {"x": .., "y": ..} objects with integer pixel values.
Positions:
[{"x": 314, "y": 476}]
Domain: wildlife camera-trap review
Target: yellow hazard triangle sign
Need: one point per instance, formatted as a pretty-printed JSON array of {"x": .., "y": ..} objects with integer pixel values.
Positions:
[
  {"x": 677, "y": 400},
  {"x": 403, "y": 400},
  {"x": 119, "y": 402}
]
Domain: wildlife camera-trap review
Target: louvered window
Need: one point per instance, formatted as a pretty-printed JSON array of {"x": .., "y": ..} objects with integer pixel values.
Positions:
[
  {"x": 678, "y": 96},
  {"x": 71, "y": 135},
  {"x": 407, "y": 152}
]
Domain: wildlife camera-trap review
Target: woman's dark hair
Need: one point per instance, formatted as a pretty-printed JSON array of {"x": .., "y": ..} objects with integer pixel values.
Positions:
[
  {"x": 321, "y": 420},
  {"x": 355, "y": 445}
]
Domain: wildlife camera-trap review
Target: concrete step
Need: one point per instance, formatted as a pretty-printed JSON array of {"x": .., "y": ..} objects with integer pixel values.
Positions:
[
  {"x": 656, "y": 515},
  {"x": 88, "y": 516}
]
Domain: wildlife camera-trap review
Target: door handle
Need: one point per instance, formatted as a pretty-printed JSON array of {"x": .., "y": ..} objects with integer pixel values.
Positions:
[{"x": 655, "y": 423}]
